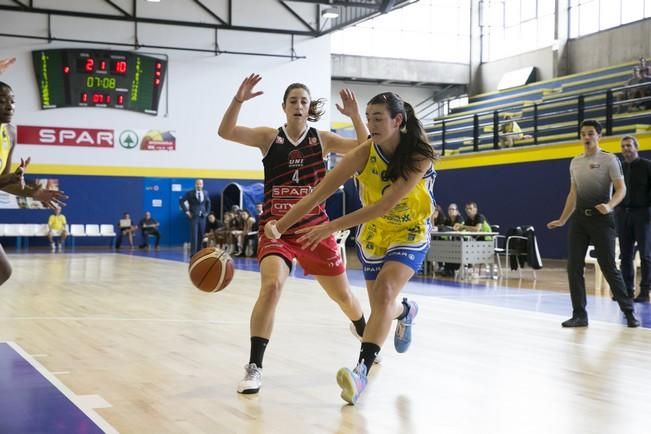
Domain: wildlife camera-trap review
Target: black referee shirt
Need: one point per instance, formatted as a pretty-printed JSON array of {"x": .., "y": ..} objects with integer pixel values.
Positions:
[{"x": 637, "y": 176}]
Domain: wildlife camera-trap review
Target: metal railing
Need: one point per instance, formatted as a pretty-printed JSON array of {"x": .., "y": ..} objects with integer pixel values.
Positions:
[{"x": 600, "y": 104}]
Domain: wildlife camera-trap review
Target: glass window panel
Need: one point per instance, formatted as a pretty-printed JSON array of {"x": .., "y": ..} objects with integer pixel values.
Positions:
[
  {"x": 632, "y": 10},
  {"x": 527, "y": 10},
  {"x": 609, "y": 14},
  {"x": 589, "y": 17},
  {"x": 511, "y": 13},
  {"x": 545, "y": 30},
  {"x": 546, "y": 7},
  {"x": 574, "y": 22}
]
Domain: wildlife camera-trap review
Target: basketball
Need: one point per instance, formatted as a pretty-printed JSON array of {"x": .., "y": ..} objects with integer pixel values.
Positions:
[{"x": 211, "y": 269}]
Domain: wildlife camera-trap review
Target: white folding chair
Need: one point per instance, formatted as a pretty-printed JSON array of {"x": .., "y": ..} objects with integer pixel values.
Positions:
[
  {"x": 93, "y": 231},
  {"x": 340, "y": 238},
  {"x": 107, "y": 230}
]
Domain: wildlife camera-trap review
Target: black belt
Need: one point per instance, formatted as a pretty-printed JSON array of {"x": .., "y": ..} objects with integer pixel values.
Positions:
[{"x": 590, "y": 212}]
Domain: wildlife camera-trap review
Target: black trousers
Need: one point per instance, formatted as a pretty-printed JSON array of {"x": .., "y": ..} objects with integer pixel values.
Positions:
[
  {"x": 197, "y": 229},
  {"x": 634, "y": 227},
  {"x": 150, "y": 231},
  {"x": 598, "y": 230}
]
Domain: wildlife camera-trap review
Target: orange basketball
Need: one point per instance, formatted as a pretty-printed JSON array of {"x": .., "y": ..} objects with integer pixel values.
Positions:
[{"x": 211, "y": 269}]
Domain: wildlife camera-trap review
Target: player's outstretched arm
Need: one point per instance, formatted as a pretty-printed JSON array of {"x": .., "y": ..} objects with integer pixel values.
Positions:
[{"x": 259, "y": 137}]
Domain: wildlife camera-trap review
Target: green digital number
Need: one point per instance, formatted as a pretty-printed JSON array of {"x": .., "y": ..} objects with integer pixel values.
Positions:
[{"x": 93, "y": 82}]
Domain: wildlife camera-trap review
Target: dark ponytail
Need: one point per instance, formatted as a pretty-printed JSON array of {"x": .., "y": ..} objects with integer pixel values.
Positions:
[
  {"x": 414, "y": 146},
  {"x": 316, "y": 106}
]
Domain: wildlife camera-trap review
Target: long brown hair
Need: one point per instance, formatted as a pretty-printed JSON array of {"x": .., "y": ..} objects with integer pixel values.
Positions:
[
  {"x": 413, "y": 146},
  {"x": 316, "y": 106}
]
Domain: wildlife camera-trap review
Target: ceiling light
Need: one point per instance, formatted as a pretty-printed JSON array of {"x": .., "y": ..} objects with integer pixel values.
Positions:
[{"x": 330, "y": 13}]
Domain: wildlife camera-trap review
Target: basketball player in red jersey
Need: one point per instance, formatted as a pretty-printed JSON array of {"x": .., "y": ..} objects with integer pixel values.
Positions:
[{"x": 293, "y": 158}]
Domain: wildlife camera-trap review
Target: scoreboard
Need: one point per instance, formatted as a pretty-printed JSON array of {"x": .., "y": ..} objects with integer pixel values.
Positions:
[{"x": 99, "y": 78}]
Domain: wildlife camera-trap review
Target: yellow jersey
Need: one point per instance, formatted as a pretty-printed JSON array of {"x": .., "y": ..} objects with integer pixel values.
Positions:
[
  {"x": 5, "y": 145},
  {"x": 408, "y": 223},
  {"x": 57, "y": 222}
]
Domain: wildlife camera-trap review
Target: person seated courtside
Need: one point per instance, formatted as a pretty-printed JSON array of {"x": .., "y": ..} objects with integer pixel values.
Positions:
[
  {"x": 243, "y": 224},
  {"x": 213, "y": 225},
  {"x": 125, "y": 229},
  {"x": 149, "y": 226},
  {"x": 452, "y": 218},
  {"x": 56, "y": 224}
]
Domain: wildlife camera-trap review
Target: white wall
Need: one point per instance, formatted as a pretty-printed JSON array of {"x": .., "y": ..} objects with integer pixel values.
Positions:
[
  {"x": 364, "y": 92},
  {"x": 200, "y": 88},
  {"x": 610, "y": 47},
  {"x": 490, "y": 73}
]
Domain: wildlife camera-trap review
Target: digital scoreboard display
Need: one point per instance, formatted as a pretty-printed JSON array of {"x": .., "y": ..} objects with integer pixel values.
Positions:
[{"x": 99, "y": 78}]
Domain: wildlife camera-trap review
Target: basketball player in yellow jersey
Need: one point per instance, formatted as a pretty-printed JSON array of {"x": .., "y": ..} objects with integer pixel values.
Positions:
[
  {"x": 13, "y": 182},
  {"x": 395, "y": 174}
]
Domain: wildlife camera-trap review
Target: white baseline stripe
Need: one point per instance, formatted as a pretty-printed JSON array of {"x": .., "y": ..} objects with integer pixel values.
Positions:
[{"x": 92, "y": 415}]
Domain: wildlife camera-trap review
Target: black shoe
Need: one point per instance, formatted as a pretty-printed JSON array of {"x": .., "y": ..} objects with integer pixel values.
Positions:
[
  {"x": 642, "y": 298},
  {"x": 631, "y": 321},
  {"x": 575, "y": 321}
]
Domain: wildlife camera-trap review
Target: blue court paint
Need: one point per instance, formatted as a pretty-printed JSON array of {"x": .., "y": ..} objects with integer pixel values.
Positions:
[{"x": 31, "y": 404}]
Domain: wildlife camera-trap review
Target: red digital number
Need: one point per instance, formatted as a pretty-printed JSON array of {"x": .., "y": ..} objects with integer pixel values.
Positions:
[
  {"x": 98, "y": 98},
  {"x": 102, "y": 65},
  {"x": 84, "y": 97},
  {"x": 120, "y": 99},
  {"x": 66, "y": 69},
  {"x": 121, "y": 66},
  {"x": 90, "y": 65}
]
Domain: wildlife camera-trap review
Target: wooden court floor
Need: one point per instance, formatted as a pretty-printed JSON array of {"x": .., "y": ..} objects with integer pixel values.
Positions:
[{"x": 167, "y": 359}]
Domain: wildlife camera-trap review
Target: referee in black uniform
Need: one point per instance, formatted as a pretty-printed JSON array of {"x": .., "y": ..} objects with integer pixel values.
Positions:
[
  {"x": 633, "y": 217},
  {"x": 589, "y": 209}
]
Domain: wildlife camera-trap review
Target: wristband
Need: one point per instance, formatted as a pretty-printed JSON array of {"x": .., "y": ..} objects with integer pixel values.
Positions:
[{"x": 274, "y": 231}]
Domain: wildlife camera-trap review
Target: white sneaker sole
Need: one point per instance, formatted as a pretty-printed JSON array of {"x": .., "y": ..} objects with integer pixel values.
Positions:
[{"x": 347, "y": 384}]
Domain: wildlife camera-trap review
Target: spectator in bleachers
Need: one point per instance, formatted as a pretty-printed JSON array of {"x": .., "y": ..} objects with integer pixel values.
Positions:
[
  {"x": 645, "y": 77},
  {"x": 57, "y": 227},
  {"x": 510, "y": 131},
  {"x": 149, "y": 226},
  {"x": 125, "y": 229}
]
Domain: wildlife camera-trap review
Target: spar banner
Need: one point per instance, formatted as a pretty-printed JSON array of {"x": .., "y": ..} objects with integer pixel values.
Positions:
[
  {"x": 144, "y": 140},
  {"x": 9, "y": 201},
  {"x": 148, "y": 140},
  {"x": 65, "y": 136}
]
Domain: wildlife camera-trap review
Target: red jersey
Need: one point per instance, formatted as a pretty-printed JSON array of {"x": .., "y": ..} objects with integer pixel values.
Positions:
[{"x": 291, "y": 171}]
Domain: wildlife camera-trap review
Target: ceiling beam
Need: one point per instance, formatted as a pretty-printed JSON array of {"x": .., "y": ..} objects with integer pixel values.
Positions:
[
  {"x": 296, "y": 15},
  {"x": 22, "y": 5},
  {"x": 140, "y": 20},
  {"x": 122, "y": 11},
  {"x": 375, "y": 5},
  {"x": 210, "y": 12}
]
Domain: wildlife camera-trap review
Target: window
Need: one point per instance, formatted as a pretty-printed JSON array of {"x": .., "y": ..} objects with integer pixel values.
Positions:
[
  {"x": 590, "y": 16},
  {"x": 526, "y": 25},
  {"x": 436, "y": 30}
]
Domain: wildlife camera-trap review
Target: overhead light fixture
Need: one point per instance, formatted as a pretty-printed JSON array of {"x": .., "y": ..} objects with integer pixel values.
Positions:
[
  {"x": 153, "y": 1},
  {"x": 330, "y": 13}
]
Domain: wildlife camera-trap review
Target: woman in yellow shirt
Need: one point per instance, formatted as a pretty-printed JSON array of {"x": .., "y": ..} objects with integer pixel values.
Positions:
[{"x": 395, "y": 175}]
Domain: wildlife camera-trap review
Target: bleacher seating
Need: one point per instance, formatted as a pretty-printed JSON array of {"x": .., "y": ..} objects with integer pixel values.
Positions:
[{"x": 555, "y": 103}]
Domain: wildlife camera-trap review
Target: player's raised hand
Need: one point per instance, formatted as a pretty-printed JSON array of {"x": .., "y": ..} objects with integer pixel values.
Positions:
[
  {"x": 49, "y": 198},
  {"x": 245, "y": 91},
  {"x": 6, "y": 63},
  {"x": 349, "y": 103}
]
